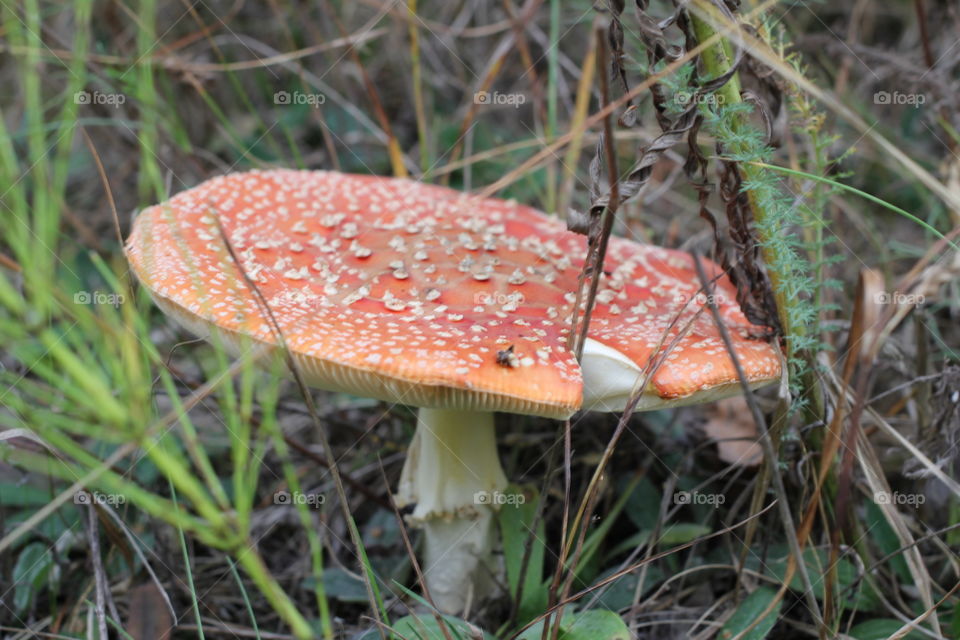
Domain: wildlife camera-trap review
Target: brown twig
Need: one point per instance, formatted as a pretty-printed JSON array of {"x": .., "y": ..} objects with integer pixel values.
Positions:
[
  {"x": 291, "y": 364},
  {"x": 100, "y": 580},
  {"x": 599, "y": 233}
]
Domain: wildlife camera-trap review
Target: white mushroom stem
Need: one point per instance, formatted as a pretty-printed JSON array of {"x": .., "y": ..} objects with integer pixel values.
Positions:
[{"x": 453, "y": 476}]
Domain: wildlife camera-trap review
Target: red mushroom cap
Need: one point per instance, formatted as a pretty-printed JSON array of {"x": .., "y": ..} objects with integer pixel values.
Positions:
[
  {"x": 651, "y": 295},
  {"x": 423, "y": 295}
]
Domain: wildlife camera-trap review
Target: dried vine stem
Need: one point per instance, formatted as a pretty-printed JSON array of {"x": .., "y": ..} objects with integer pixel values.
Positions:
[
  {"x": 601, "y": 217},
  {"x": 608, "y": 192},
  {"x": 600, "y": 227},
  {"x": 743, "y": 208}
]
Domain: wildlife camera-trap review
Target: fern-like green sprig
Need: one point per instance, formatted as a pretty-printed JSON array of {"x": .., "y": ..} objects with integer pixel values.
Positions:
[{"x": 793, "y": 255}]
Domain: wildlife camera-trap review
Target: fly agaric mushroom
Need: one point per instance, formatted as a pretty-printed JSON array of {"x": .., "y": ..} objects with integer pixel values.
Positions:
[{"x": 429, "y": 297}]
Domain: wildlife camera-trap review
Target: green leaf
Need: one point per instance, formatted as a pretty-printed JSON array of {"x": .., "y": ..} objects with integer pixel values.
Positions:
[
  {"x": 643, "y": 505},
  {"x": 516, "y": 521},
  {"x": 30, "y": 574},
  {"x": 880, "y": 629},
  {"x": 426, "y": 627},
  {"x": 857, "y": 594},
  {"x": 619, "y": 594},
  {"x": 596, "y": 624},
  {"x": 23, "y": 495},
  {"x": 341, "y": 585},
  {"x": 748, "y": 611},
  {"x": 887, "y": 541},
  {"x": 681, "y": 533},
  {"x": 382, "y": 529},
  {"x": 50, "y": 528}
]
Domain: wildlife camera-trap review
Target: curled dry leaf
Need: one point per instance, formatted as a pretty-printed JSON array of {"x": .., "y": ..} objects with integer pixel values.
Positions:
[
  {"x": 940, "y": 273},
  {"x": 951, "y": 172},
  {"x": 148, "y": 618},
  {"x": 735, "y": 432}
]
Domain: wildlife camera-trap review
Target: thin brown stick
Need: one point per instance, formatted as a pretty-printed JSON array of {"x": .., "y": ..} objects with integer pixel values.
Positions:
[
  {"x": 106, "y": 184},
  {"x": 99, "y": 577},
  {"x": 924, "y": 33},
  {"x": 600, "y": 233},
  {"x": 537, "y": 519},
  {"x": 334, "y": 469},
  {"x": 587, "y": 504},
  {"x": 369, "y": 493},
  {"x": 564, "y": 526}
]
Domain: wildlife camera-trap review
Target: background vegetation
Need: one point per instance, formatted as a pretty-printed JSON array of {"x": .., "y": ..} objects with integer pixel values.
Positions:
[{"x": 139, "y": 469}]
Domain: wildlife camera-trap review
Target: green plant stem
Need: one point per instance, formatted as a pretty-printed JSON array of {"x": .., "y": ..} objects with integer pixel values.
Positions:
[
  {"x": 151, "y": 180},
  {"x": 553, "y": 74},
  {"x": 253, "y": 564},
  {"x": 187, "y": 566},
  {"x": 303, "y": 511},
  {"x": 717, "y": 60},
  {"x": 246, "y": 598},
  {"x": 863, "y": 194},
  {"x": 417, "y": 76}
]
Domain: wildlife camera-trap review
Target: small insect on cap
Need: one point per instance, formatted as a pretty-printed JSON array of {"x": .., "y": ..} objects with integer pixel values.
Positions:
[{"x": 422, "y": 295}]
